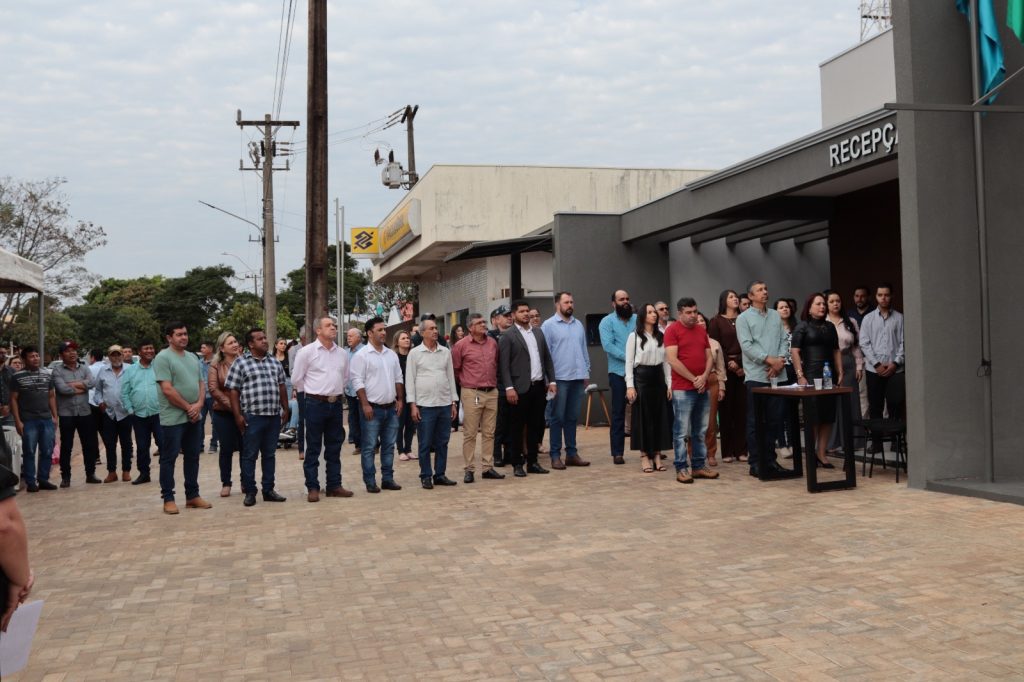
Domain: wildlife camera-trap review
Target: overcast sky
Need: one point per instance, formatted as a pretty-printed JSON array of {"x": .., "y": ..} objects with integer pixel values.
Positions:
[{"x": 134, "y": 102}]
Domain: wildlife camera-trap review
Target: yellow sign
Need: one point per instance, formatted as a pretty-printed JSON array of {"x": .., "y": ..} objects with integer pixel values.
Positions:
[
  {"x": 364, "y": 241},
  {"x": 395, "y": 229}
]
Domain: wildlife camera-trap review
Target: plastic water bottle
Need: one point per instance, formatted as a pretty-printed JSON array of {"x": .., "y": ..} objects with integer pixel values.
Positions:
[{"x": 826, "y": 376}]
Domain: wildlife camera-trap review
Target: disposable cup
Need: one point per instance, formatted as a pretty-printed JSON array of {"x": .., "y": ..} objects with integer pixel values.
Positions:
[{"x": 817, "y": 384}]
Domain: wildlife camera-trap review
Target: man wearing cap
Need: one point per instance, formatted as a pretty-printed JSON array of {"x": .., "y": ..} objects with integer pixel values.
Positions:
[
  {"x": 72, "y": 382},
  {"x": 139, "y": 397},
  {"x": 501, "y": 320},
  {"x": 117, "y": 427}
]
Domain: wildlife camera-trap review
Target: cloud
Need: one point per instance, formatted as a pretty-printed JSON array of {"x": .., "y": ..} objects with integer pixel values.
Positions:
[{"x": 135, "y": 102}]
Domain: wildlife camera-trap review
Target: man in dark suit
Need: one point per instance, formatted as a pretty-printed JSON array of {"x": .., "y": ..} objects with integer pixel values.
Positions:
[{"x": 528, "y": 375}]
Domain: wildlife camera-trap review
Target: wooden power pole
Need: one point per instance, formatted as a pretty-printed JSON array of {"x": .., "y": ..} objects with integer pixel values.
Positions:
[
  {"x": 316, "y": 166},
  {"x": 269, "y": 272}
]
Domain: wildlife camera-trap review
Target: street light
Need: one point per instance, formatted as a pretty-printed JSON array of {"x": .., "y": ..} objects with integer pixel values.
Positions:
[
  {"x": 244, "y": 220},
  {"x": 252, "y": 273}
]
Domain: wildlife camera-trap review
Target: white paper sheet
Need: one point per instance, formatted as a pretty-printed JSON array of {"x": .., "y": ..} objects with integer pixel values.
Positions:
[{"x": 16, "y": 643}]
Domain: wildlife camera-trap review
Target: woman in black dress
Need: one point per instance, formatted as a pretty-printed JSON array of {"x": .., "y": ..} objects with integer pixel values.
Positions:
[
  {"x": 816, "y": 342},
  {"x": 648, "y": 378}
]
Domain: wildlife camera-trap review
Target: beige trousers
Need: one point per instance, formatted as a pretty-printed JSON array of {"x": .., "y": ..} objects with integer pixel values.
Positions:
[{"x": 479, "y": 413}]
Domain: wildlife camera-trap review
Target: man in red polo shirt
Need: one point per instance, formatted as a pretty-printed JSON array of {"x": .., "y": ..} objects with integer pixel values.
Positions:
[
  {"x": 475, "y": 360},
  {"x": 688, "y": 352}
]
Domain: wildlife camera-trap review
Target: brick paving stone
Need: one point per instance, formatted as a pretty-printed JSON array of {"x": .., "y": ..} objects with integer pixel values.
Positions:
[{"x": 583, "y": 574}]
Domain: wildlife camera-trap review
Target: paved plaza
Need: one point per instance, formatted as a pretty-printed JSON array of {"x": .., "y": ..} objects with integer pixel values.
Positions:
[{"x": 582, "y": 574}]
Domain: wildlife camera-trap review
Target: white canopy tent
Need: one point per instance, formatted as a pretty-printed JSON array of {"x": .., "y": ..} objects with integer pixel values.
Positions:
[{"x": 18, "y": 275}]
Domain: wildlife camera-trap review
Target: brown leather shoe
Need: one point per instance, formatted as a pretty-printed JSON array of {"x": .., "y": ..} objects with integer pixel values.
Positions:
[
  {"x": 557, "y": 463},
  {"x": 683, "y": 476},
  {"x": 170, "y": 507},
  {"x": 705, "y": 473},
  {"x": 197, "y": 503},
  {"x": 313, "y": 496},
  {"x": 126, "y": 475},
  {"x": 576, "y": 461},
  {"x": 339, "y": 492},
  {"x": 111, "y": 477}
]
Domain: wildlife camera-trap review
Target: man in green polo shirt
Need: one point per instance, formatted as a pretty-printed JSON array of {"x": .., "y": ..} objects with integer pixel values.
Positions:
[{"x": 181, "y": 397}]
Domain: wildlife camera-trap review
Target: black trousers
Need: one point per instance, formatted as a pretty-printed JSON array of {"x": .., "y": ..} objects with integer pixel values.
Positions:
[
  {"x": 501, "y": 429},
  {"x": 87, "y": 436},
  {"x": 117, "y": 432},
  {"x": 527, "y": 413},
  {"x": 876, "y": 398}
]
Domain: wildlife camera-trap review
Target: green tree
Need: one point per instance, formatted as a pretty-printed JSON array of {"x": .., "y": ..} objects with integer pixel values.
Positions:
[
  {"x": 387, "y": 295},
  {"x": 198, "y": 298},
  {"x": 102, "y": 325},
  {"x": 141, "y": 291},
  {"x": 57, "y": 326},
  {"x": 36, "y": 223},
  {"x": 294, "y": 295},
  {"x": 248, "y": 315}
]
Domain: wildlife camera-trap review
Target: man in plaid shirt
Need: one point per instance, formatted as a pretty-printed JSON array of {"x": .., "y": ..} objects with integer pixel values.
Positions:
[{"x": 260, "y": 404}]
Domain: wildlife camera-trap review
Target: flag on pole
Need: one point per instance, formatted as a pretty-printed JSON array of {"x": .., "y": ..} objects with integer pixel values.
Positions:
[
  {"x": 991, "y": 48},
  {"x": 1015, "y": 17}
]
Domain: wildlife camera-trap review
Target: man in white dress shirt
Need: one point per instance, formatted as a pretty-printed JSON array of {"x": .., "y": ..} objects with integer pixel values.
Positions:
[
  {"x": 377, "y": 380},
  {"x": 431, "y": 395},
  {"x": 319, "y": 373}
]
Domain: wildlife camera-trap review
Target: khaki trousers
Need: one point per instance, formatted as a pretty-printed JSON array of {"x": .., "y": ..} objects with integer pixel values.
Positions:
[{"x": 479, "y": 413}]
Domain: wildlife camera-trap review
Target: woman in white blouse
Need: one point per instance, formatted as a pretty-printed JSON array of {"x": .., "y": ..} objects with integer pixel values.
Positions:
[
  {"x": 648, "y": 378},
  {"x": 852, "y": 357}
]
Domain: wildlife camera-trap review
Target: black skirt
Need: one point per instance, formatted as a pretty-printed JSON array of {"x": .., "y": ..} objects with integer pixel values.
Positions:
[{"x": 652, "y": 411}]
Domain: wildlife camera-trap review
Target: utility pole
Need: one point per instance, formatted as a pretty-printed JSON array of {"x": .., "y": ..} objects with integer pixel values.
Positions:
[
  {"x": 269, "y": 275},
  {"x": 316, "y": 165},
  {"x": 339, "y": 266},
  {"x": 407, "y": 117}
]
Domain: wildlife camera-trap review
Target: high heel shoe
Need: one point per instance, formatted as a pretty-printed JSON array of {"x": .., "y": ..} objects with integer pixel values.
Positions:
[
  {"x": 645, "y": 465},
  {"x": 826, "y": 465}
]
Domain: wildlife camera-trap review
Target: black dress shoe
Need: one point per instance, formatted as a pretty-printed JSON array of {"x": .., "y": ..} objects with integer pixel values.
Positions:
[
  {"x": 499, "y": 462},
  {"x": 372, "y": 488},
  {"x": 536, "y": 469},
  {"x": 390, "y": 485},
  {"x": 250, "y": 499},
  {"x": 65, "y": 483},
  {"x": 427, "y": 484},
  {"x": 468, "y": 478},
  {"x": 443, "y": 480},
  {"x": 91, "y": 478},
  {"x": 619, "y": 459},
  {"x": 826, "y": 465},
  {"x": 754, "y": 472},
  {"x": 491, "y": 473},
  {"x": 777, "y": 468},
  {"x": 143, "y": 478},
  {"x": 32, "y": 488},
  {"x": 272, "y": 496},
  {"x": 518, "y": 471},
  {"x": 46, "y": 485}
]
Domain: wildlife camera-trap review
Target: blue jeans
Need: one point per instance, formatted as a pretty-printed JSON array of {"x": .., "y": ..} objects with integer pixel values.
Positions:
[
  {"x": 114, "y": 433},
  {"x": 230, "y": 442},
  {"x": 147, "y": 430},
  {"x": 207, "y": 408},
  {"x": 690, "y": 411},
  {"x": 617, "y": 432},
  {"x": 260, "y": 437},
  {"x": 293, "y": 414},
  {"x": 355, "y": 433},
  {"x": 383, "y": 426},
  {"x": 433, "y": 431},
  {"x": 324, "y": 427},
  {"x": 775, "y": 409},
  {"x": 564, "y": 413},
  {"x": 36, "y": 433},
  {"x": 185, "y": 438}
]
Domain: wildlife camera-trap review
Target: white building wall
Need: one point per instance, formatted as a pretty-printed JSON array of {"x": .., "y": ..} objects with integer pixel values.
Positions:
[
  {"x": 788, "y": 271},
  {"x": 858, "y": 80}
]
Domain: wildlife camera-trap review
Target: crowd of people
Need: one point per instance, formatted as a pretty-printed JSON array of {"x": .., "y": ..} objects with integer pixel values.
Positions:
[{"x": 680, "y": 381}]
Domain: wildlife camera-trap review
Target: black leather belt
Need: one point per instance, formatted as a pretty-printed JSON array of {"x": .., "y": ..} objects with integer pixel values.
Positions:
[
  {"x": 384, "y": 406},
  {"x": 485, "y": 389},
  {"x": 325, "y": 398}
]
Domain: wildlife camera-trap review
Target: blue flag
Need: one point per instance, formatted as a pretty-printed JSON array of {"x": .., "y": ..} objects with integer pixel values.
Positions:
[{"x": 993, "y": 68}]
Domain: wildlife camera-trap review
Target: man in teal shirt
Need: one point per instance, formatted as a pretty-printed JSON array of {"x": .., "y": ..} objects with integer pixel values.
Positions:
[
  {"x": 139, "y": 397},
  {"x": 181, "y": 399},
  {"x": 615, "y": 329},
  {"x": 763, "y": 341}
]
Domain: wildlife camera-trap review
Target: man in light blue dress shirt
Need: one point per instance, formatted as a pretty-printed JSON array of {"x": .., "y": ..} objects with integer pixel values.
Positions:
[
  {"x": 615, "y": 329},
  {"x": 567, "y": 343}
]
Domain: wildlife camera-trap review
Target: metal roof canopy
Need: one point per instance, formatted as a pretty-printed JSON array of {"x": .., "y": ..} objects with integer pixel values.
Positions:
[{"x": 502, "y": 247}]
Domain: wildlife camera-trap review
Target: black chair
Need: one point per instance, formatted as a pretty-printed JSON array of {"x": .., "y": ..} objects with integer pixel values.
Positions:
[{"x": 892, "y": 428}]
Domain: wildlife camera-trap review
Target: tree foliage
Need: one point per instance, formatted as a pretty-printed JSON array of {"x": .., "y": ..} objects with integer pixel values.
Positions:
[
  {"x": 249, "y": 315},
  {"x": 294, "y": 295},
  {"x": 100, "y": 325},
  {"x": 198, "y": 298},
  {"x": 36, "y": 223},
  {"x": 58, "y": 326}
]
